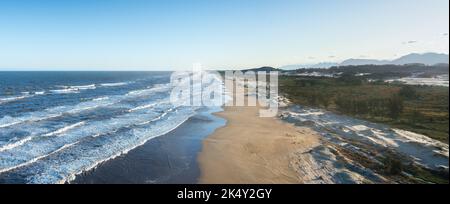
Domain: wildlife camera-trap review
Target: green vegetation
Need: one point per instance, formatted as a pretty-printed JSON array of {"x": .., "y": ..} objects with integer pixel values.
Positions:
[{"x": 420, "y": 109}]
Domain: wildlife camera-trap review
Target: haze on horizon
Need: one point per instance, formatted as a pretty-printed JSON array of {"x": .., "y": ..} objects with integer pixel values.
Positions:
[{"x": 174, "y": 34}]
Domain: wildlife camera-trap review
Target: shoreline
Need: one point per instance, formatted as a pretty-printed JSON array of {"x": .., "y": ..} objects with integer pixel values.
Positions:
[
  {"x": 253, "y": 150},
  {"x": 168, "y": 159}
]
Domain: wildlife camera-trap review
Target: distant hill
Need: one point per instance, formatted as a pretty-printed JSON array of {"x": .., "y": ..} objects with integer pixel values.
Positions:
[
  {"x": 265, "y": 69},
  {"x": 324, "y": 64},
  {"x": 414, "y": 58},
  {"x": 427, "y": 58},
  {"x": 356, "y": 62},
  {"x": 308, "y": 66}
]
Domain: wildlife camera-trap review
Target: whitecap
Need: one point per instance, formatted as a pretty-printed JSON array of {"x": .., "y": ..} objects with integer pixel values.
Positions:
[
  {"x": 15, "y": 144},
  {"x": 114, "y": 84},
  {"x": 13, "y": 98},
  {"x": 64, "y": 129},
  {"x": 49, "y": 113},
  {"x": 100, "y": 98},
  {"x": 84, "y": 87},
  {"x": 61, "y": 167},
  {"x": 143, "y": 107},
  {"x": 65, "y": 91},
  {"x": 35, "y": 149}
]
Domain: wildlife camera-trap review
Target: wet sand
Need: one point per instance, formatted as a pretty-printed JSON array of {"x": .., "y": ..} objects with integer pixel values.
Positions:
[
  {"x": 168, "y": 159},
  {"x": 253, "y": 150}
]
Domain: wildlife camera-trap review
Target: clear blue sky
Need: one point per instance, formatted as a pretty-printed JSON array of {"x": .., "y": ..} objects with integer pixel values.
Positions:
[{"x": 174, "y": 34}]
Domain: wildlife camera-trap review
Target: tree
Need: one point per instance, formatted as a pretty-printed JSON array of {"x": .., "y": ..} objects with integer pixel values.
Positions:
[
  {"x": 395, "y": 106},
  {"x": 362, "y": 106},
  {"x": 344, "y": 104},
  {"x": 416, "y": 116},
  {"x": 324, "y": 100},
  {"x": 407, "y": 92}
]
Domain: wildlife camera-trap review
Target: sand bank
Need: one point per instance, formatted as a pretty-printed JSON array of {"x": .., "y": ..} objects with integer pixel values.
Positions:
[{"x": 251, "y": 149}]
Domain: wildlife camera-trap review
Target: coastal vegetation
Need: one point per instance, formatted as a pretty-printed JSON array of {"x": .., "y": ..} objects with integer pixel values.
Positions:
[
  {"x": 421, "y": 109},
  {"x": 416, "y": 108}
]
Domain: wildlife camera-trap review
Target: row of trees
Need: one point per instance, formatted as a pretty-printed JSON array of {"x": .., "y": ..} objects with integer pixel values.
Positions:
[
  {"x": 388, "y": 105},
  {"x": 347, "y": 95},
  {"x": 391, "y": 106}
]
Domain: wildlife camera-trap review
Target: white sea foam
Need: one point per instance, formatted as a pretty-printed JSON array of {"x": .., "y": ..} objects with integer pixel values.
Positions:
[
  {"x": 25, "y": 94},
  {"x": 8, "y": 121},
  {"x": 155, "y": 89},
  {"x": 114, "y": 84},
  {"x": 101, "y": 98},
  {"x": 61, "y": 169},
  {"x": 14, "y": 98},
  {"x": 147, "y": 106},
  {"x": 64, "y": 129},
  {"x": 37, "y": 158},
  {"x": 82, "y": 146},
  {"x": 84, "y": 87},
  {"x": 49, "y": 113},
  {"x": 33, "y": 149},
  {"x": 72, "y": 89},
  {"x": 15, "y": 144},
  {"x": 65, "y": 91},
  {"x": 77, "y": 87},
  {"x": 142, "y": 107}
]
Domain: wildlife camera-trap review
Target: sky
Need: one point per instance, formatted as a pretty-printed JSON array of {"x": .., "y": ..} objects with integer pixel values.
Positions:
[{"x": 219, "y": 34}]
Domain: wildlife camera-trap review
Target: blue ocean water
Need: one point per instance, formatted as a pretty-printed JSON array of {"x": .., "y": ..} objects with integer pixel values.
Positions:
[{"x": 55, "y": 125}]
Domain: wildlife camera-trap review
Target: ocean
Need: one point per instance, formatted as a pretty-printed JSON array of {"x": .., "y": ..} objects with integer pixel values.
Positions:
[{"x": 98, "y": 127}]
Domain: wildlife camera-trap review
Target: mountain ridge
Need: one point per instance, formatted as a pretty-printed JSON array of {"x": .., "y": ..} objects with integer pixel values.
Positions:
[{"x": 428, "y": 58}]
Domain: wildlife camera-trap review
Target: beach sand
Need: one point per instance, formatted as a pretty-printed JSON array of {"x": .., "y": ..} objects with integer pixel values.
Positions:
[{"x": 253, "y": 150}]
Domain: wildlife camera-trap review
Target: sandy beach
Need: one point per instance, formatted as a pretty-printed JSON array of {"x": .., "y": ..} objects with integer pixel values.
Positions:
[{"x": 255, "y": 150}]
